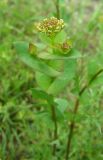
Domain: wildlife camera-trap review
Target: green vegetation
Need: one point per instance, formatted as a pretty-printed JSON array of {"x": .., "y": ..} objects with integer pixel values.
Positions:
[{"x": 51, "y": 80}]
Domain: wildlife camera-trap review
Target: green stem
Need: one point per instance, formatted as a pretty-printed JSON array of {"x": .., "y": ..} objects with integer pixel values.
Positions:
[
  {"x": 57, "y": 5},
  {"x": 72, "y": 126},
  {"x": 55, "y": 134}
]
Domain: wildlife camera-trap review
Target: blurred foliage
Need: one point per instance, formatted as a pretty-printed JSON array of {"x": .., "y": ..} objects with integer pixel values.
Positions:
[{"x": 22, "y": 135}]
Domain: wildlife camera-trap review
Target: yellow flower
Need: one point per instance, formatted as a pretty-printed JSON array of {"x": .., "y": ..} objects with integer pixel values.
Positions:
[{"x": 50, "y": 26}]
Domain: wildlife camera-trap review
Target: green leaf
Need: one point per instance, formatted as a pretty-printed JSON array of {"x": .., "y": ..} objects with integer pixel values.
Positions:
[
  {"x": 62, "y": 81},
  {"x": 60, "y": 37},
  {"x": 39, "y": 94},
  {"x": 61, "y": 110},
  {"x": 56, "y": 64},
  {"x": 35, "y": 63},
  {"x": 73, "y": 54},
  {"x": 62, "y": 104},
  {"x": 43, "y": 80},
  {"x": 44, "y": 38}
]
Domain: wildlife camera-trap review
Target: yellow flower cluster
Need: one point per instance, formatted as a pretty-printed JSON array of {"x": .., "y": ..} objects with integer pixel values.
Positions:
[{"x": 50, "y": 26}]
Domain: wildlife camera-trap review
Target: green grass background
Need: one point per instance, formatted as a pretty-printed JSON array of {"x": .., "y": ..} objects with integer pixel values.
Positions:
[{"x": 22, "y": 135}]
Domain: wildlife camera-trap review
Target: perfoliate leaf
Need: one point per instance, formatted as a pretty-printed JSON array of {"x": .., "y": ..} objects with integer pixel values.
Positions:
[
  {"x": 45, "y": 39},
  {"x": 62, "y": 81},
  {"x": 73, "y": 54},
  {"x": 38, "y": 65},
  {"x": 60, "y": 37},
  {"x": 43, "y": 80}
]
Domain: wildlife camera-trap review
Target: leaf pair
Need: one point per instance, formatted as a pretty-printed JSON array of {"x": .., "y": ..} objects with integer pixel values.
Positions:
[
  {"x": 23, "y": 51},
  {"x": 60, "y": 79}
]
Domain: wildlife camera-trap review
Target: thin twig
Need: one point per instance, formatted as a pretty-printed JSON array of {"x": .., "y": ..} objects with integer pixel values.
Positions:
[{"x": 72, "y": 126}]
